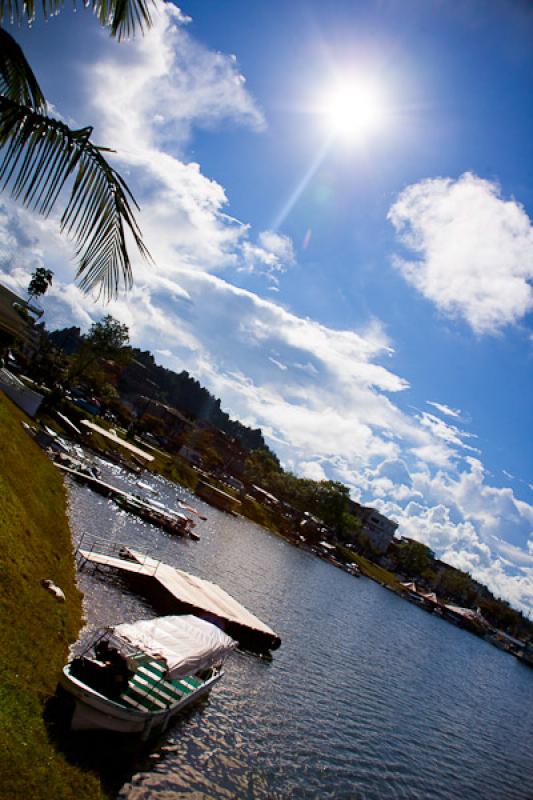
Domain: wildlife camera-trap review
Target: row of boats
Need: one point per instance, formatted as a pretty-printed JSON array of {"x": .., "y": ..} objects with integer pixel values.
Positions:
[{"x": 149, "y": 510}]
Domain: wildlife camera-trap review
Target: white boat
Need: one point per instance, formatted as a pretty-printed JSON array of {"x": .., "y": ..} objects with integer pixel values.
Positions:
[
  {"x": 353, "y": 569},
  {"x": 136, "y": 677},
  {"x": 147, "y": 487}
]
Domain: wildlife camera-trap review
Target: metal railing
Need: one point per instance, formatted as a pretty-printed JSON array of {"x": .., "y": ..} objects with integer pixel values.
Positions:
[{"x": 105, "y": 547}]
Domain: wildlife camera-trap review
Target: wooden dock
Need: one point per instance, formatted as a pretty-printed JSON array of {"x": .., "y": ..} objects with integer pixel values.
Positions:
[
  {"x": 176, "y": 591},
  {"x": 171, "y": 521}
]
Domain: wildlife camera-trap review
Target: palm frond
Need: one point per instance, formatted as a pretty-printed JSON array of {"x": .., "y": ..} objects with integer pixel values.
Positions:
[
  {"x": 124, "y": 17},
  {"x": 39, "y": 156},
  {"x": 17, "y": 81}
]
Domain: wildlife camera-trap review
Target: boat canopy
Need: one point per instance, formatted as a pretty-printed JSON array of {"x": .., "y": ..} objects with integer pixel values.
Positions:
[{"x": 186, "y": 643}]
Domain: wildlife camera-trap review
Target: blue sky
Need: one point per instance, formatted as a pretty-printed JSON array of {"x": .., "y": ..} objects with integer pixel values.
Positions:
[{"x": 365, "y": 299}]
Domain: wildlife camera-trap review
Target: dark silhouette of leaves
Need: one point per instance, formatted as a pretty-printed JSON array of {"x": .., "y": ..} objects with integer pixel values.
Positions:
[
  {"x": 123, "y": 17},
  {"x": 39, "y": 157}
]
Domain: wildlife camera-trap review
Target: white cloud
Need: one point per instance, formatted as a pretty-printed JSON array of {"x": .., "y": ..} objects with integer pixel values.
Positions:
[
  {"x": 277, "y": 363},
  {"x": 325, "y": 398},
  {"x": 272, "y": 256},
  {"x": 279, "y": 244},
  {"x": 448, "y": 433},
  {"x": 173, "y": 83},
  {"x": 444, "y": 409},
  {"x": 474, "y": 249},
  {"x": 312, "y": 470}
]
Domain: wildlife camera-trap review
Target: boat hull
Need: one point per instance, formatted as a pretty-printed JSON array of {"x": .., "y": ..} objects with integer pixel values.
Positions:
[{"x": 94, "y": 711}]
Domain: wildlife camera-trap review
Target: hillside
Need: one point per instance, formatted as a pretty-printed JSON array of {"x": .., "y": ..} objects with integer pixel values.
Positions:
[{"x": 143, "y": 376}]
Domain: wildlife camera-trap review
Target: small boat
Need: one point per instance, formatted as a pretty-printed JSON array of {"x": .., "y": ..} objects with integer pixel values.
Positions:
[
  {"x": 147, "y": 488},
  {"x": 191, "y": 509},
  {"x": 354, "y": 570},
  {"x": 149, "y": 510},
  {"x": 134, "y": 678}
]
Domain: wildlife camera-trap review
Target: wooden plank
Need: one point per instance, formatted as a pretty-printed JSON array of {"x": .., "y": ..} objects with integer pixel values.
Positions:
[
  {"x": 118, "y": 563},
  {"x": 192, "y": 592},
  {"x": 204, "y": 594}
]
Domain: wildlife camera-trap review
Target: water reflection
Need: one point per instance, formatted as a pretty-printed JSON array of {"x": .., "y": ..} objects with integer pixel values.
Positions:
[{"x": 367, "y": 697}]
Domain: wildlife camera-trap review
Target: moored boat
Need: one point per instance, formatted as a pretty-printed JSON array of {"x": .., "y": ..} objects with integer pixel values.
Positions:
[{"x": 136, "y": 677}]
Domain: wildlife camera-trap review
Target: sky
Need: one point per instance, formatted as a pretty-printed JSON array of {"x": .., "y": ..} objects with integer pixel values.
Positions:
[{"x": 338, "y": 199}]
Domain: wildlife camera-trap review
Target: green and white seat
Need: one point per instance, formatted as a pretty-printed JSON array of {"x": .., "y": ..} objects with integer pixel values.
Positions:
[{"x": 149, "y": 690}]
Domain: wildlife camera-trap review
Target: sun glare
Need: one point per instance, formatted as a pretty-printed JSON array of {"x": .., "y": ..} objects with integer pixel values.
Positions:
[{"x": 353, "y": 110}]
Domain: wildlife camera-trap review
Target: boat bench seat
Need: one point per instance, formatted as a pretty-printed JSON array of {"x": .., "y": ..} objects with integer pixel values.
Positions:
[
  {"x": 141, "y": 700},
  {"x": 149, "y": 690}
]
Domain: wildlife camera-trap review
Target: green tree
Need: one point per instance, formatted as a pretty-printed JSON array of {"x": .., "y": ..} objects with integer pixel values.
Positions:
[
  {"x": 327, "y": 500},
  {"x": 456, "y": 584},
  {"x": 41, "y": 158},
  {"x": 107, "y": 339},
  {"x": 350, "y": 527},
  {"x": 260, "y": 466},
  {"x": 108, "y": 396},
  {"x": 41, "y": 279},
  {"x": 413, "y": 558},
  {"x": 49, "y": 365}
]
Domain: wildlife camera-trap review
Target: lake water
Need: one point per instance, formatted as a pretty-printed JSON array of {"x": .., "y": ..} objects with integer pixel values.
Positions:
[{"x": 367, "y": 698}]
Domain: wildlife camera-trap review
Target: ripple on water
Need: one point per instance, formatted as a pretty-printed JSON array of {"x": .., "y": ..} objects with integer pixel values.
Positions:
[{"x": 368, "y": 697}]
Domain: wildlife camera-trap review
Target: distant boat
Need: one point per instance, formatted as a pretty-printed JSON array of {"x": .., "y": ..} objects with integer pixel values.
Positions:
[
  {"x": 136, "y": 677},
  {"x": 191, "y": 509},
  {"x": 353, "y": 569},
  {"x": 150, "y": 510},
  {"x": 147, "y": 488}
]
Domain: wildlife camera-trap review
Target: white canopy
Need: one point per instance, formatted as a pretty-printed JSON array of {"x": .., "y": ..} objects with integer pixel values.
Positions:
[{"x": 186, "y": 644}]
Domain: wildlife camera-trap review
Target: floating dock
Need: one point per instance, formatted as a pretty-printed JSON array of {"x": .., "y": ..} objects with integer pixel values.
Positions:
[
  {"x": 170, "y": 521},
  {"x": 175, "y": 591},
  {"x": 218, "y": 498},
  {"x": 112, "y": 436}
]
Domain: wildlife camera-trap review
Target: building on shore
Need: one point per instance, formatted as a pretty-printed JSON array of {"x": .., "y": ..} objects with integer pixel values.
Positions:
[
  {"x": 379, "y": 528},
  {"x": 190, "y": 455}
]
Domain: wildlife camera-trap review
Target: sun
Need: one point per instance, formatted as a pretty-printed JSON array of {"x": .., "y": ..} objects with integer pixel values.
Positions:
[{"x": 353, "y": 109}]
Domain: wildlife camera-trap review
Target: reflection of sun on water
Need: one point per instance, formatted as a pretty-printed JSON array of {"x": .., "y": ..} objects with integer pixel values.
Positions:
[{"x": 352, "y": 109}]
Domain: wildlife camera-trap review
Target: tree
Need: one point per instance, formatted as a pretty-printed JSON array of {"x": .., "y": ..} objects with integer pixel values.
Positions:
[
  {"x": 413, "y": 558},
  {"x": 107, "y": 339},
  {"x": 350, "y": 527},
  {"x": 260, "y": 466},
  {"x": 49, "y": 365},
  {"x": 41, "y": 157},
  {"x": 41, "y": 279},
  {"x": 456, "y": 584},
  {"x": 328, "y": 500}
]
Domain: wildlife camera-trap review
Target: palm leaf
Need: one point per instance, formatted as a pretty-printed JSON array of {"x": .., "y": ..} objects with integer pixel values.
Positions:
[
  {"x": 39, "y": 156},
  {"x": 124, "y": 17},
  {"x": 17, "y": 81}
]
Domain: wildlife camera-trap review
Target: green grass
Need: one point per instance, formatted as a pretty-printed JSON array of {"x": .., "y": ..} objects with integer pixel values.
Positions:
[
  {"x": 370, "y": 569},
  {"x": 35, "y": 630},
  {"x": 258, "y": 513},
  {"x": 377, "y": 573},
  {"x": 175, "y": 469}
]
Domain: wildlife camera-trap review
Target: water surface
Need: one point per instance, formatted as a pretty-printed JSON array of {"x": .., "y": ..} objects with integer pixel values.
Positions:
[{"x": 368, "y": 697}]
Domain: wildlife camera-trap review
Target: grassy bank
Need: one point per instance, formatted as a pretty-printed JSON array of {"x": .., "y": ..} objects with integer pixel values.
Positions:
[
  {"x": 35, "y": 630},
  {"x": 370, "y": 569},
  {"x": 378, "y": 573}
]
